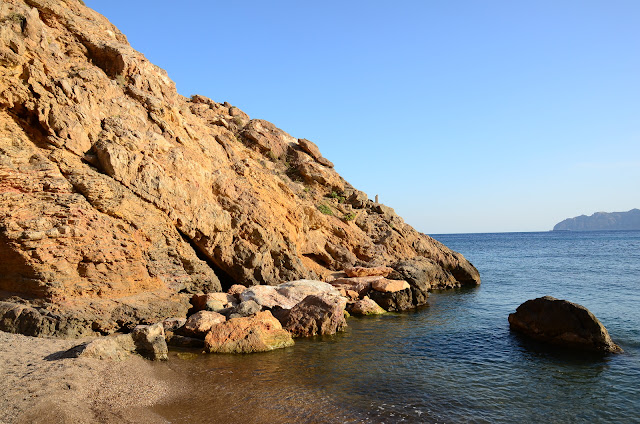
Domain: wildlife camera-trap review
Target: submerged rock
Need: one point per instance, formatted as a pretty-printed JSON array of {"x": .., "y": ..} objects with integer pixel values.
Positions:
[
  {"x": 563, "y": 323},
  {"x": 258, "y": 333}
]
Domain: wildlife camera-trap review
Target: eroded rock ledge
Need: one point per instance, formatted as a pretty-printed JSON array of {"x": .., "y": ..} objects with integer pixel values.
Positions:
[{"x": 119, "y": 198}]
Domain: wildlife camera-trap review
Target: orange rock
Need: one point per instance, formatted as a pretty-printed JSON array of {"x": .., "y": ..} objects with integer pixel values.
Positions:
[
  {"x": 352, "y": 294},
  {"x": 359, "y": 271},
  {"x": 213, "y": 301},
  {"x": 236, "y": 289},
  {"x": 258, "y": 333},
  {"x": 389, "y": 286}
]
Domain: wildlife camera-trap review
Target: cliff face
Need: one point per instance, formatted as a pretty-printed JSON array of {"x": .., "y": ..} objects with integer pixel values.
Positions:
[
  {"x": 602, "y": 221},
  {"x": 119, "y": 197}
]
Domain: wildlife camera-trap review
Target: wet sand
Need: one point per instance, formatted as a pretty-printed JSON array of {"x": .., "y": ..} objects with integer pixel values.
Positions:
[{"x": 38, "y": 384}]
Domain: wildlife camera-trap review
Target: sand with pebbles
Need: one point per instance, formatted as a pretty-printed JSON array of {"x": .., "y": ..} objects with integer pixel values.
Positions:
[{"x": 40, "y": 384}]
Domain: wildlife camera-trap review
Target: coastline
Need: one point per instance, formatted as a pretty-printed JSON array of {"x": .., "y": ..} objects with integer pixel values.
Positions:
[{"x": 39, "y": 385}]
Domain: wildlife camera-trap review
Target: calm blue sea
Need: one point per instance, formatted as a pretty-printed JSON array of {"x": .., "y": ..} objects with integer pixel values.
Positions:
[{"x": 454, "y": 361}]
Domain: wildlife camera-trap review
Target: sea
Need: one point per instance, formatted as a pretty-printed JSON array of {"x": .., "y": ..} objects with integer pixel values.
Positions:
[{"x": 453, "y": 361}]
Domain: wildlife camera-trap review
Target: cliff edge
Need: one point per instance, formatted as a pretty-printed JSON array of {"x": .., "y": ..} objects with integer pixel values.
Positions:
[{"x": 119, "y": 197}]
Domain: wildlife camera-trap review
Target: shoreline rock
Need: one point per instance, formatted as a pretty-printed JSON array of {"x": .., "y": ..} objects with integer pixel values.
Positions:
[
  {"x": 562, "y": 323},
  {"x": 261, "y": 332}
]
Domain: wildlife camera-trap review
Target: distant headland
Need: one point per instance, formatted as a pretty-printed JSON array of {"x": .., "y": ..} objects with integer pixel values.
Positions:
[{"x": 602, "y": 221}]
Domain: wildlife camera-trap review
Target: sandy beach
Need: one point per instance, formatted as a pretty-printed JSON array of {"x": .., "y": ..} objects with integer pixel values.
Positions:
[{"x": 39, "y": 384}]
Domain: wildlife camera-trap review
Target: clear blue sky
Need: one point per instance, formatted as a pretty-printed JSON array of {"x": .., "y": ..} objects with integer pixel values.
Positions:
[{"x": 464, "y": 116}]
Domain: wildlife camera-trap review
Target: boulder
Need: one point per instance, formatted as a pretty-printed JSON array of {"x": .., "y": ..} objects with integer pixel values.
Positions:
[
  {"x": 199, "y": 324},
  {"x": 360, "y": 271},
  {"x": 245, "y": 309},
  {"x": 267, "y": 297},
  {"x": 389, "y": 286},
  {"x": 236, "y": 289},
  {"x": 316, "y": 314},
  {"x": 393, "y": 301},
  {"x": 172, "y": 324},
  {"x": 114, "y": 348},
  {"x": 213, "y": 302},
  {"x": 361, "y": 285},
  {"x": 286, "y": 295},
  {"x": 312, "y": 149},
  {"x": 365, "y": 306},
  {"x": 563, "y": 323},
  {"x": 150, "y": 341},
  {"x": 259, "y": 333},
  {"x": 297, "y": 290}
]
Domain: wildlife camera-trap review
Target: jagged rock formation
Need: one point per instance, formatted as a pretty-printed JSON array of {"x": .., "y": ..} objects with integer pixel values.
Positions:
[
  {"x": 119, "y": 197},
  {"x": 629, "y": 220}
]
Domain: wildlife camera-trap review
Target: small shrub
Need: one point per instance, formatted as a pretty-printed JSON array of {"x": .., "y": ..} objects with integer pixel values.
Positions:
[
  {"x": 336, "y": 195},
  {"x": 238, "y": 121},
  {"x": 81, "y": 2},
  {"x": 325, "y": 209},
  {"x": 349, "y": 217},
  {"x": 272, "y": 155},
  {"x": 121, "y": 80}
]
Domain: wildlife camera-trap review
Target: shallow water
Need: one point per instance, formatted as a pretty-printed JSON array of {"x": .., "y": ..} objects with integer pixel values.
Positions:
[{"x": 456, "y": 360}]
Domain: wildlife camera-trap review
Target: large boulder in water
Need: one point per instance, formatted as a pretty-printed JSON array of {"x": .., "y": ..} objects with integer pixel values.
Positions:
[
  {"x": 562, "y": 323},
  {"x": 315, "y": 315}
]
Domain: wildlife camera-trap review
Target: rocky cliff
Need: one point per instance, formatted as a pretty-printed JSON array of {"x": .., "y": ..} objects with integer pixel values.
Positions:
[
  {"x": 602, "y": 221},
  {"x": 119, "y": 197}
]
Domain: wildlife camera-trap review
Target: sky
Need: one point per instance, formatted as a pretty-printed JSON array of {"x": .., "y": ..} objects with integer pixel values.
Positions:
[{"x": 464, "y": 116}]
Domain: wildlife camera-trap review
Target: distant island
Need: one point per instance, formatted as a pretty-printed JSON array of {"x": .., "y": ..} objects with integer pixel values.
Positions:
[{"x": 602, "y": 221}]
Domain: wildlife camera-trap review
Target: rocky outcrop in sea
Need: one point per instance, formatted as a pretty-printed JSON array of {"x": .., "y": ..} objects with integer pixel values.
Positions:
[{"x": 121, "y": 199}]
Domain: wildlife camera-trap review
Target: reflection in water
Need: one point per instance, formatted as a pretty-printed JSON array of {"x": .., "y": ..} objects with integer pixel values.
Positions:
[{"x": 454, "y": 361}]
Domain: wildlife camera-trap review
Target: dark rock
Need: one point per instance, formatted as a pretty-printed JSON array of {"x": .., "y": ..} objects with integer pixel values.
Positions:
[
  {"x": 316, "y": 314},
  {"x": 393, "y": 301},
  {"x": 246, "y": 308},
  {"x": 562, "y": 323},
  {"x": 177, "y": 340},
  {"x": 172, "y": 324}
]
